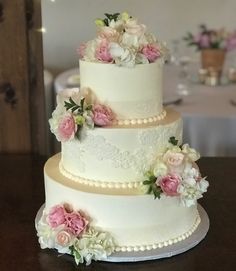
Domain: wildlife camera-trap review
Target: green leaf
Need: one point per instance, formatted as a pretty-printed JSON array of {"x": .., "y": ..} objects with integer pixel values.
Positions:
[
  {"x": 173, "y": 141},
  {"x": 71, "y": 105},
  {"x": 147, "y": 182},
  {"x": 77, "y": 134},
  {"x": 152, "y": 179},
  {"x": 149, "y": 190},
  {"x": 106, "y": 22},
  {"x": 82, "y": 104},
  {"x": 156, "y": 191},
  {"x": 109, "y": 16},
  {"x": 115, "y": 16},
  {"x": 89, "y": 107},
  {"x": 76, "y": 254}
]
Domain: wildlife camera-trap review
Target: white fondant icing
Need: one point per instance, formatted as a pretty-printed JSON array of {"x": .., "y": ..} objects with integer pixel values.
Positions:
[
  {"x": 117, "y": 154},
  {"x": 136, "y": 221},
  {"x": 132, "y": 93}
]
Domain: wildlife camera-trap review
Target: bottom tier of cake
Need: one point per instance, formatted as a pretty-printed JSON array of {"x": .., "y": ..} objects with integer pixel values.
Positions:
[{"x": 135, "y": 220}]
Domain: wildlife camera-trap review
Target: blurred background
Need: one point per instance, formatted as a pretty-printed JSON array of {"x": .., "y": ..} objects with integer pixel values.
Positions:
[
  {"x": 38, "y": 58},
  {"x": 68, "y": 23}
]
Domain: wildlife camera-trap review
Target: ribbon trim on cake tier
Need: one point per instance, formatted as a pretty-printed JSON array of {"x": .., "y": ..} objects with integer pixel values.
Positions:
[
  {"x": 127, "y": 122},
  {"x": 97, "y": 183}
]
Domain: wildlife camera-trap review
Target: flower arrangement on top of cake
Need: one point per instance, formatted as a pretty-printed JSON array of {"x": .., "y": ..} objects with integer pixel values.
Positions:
[{"x": 122, "y": 40}]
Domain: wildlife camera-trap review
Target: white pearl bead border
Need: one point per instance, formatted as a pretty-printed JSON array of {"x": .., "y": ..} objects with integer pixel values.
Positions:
[
  {"x": 128, "y": 122},
  {"x": 96, "y": 183},
  {"x": 161, "y": 244}
]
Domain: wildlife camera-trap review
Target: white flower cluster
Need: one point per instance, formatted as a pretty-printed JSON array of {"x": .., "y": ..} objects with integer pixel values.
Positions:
[
  {"x": 192, "y": 186},
  {"x": 92, "y": 244},
  {"x": 177, "y": 174}
]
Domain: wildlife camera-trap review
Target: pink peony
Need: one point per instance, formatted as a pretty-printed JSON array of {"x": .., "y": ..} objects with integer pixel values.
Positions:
[
  {"x": 102, "y": 115},
  {"x": 151, "y": 52},
  {"x": 102, "y": 52},
  {"x": 56, "y": 216},
  {"x": 75, "y": 222},
  {"x": 169, "y": 184},
  {"x": 67, "y": 128}
]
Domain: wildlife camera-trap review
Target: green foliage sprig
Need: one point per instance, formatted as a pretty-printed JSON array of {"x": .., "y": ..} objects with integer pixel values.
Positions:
[
  {"x": 110, "y": 17},
  {"x": 152, "y": 187}
]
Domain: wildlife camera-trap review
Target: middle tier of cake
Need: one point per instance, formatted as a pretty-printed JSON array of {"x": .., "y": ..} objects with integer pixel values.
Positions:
[{"x": 118, "y": 156}]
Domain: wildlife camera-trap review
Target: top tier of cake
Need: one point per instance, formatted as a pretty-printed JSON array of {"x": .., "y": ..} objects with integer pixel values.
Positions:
[
  {"x": 122, "y": 66},
  {"x": 132, "y": 93}
]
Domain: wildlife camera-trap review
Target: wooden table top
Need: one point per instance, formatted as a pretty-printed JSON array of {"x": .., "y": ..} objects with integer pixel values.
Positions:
[{"x": 22, "y": 193}]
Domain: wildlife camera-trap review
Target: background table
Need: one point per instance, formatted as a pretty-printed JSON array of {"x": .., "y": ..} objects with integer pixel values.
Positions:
[
  {"x": 208, "y": 114},
  {"x": 22, "y": 193},
  {"x": 209, "y": 117}
]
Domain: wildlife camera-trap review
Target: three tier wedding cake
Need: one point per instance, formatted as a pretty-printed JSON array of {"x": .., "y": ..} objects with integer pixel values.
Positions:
[{"x": 124, "y": 181}]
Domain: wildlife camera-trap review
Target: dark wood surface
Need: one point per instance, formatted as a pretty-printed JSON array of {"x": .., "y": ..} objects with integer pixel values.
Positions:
[{"x": 22, "y": 193}]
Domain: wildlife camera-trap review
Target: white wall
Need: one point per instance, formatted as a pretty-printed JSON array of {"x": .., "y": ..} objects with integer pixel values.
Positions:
[{"x": 70, "y": 22}]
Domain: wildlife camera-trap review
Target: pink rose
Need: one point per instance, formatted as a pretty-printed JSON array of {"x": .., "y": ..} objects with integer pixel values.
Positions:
[
  {"x": 56, "y": 216},
  {"x": 102, "y": 52},
  {"x": 169, "y": 184},
  {"x": 102, "y": 115},
  {"x": 67, "y": 128},
  {"x": 64, "y": 238},
  {"x": 75, "y": 222},
  {"x": 151, "y": 52}
]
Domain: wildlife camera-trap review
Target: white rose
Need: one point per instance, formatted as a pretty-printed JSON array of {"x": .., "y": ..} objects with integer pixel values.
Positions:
[
  {"x": 132, "y": 27},
  {"x": 173, "y": 158},
  {"x": 191, "y": 153},
  {"x": 57, "y": 115},
  {"x": 65, "y": 94},
  {"x": 90, "y": 50}
]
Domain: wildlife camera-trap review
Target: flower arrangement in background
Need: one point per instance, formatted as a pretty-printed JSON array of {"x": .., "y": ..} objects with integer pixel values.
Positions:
[
  {"x": 176, "y": 175},
  {"x": 69, "y": 232},
  {"x": 122, "y": 40},
  {"x": 212, "y": 39},
  {"x": 77, "y": 109}
]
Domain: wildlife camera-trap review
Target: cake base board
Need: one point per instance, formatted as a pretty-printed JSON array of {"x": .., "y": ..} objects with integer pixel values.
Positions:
[{"x": 159, "y": 253}]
